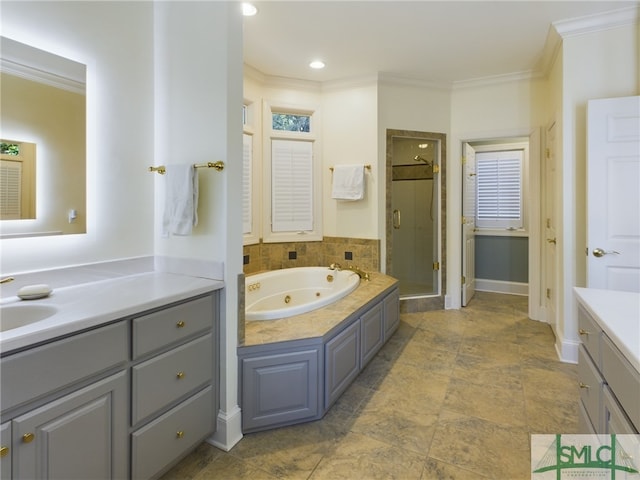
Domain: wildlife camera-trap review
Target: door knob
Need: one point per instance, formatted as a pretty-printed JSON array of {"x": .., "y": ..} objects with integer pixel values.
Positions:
[{"x": 598, "y": 252}]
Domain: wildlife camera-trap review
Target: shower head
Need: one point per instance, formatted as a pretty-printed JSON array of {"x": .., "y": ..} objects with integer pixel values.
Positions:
[{"x": 419, "y": 158}]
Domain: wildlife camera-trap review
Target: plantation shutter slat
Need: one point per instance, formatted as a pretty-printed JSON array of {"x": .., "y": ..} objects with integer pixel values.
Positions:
[
  {"x": 10, "y": 190},
  {"x": 292, "y": 185},
  {"x": 247, "y": 148},
  {"x": 499, "y": 189}
]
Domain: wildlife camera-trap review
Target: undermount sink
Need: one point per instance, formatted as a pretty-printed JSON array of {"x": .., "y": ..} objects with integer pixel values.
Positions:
[{"x": 15, "y": 316}]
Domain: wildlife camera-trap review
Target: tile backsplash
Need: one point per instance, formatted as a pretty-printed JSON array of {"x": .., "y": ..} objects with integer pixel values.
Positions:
[{"x": 365, "y": 253}]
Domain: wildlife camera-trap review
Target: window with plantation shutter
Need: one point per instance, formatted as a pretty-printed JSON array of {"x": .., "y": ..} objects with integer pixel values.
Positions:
[
  {"x": 291, "y": 185},
  {"x": 247, "y": 149},
  {"x": 499, "y": 189}
]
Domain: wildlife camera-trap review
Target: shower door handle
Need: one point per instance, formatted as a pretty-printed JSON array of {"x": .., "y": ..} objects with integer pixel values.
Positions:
[{"x": 396, "y": 219}]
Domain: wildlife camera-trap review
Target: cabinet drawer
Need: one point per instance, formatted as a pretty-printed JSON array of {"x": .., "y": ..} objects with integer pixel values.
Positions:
[
  {"x": 589, "y": 334},
  {"x": 165, "y": 378},
  {"x": 623, "y": 379},
  {"x": 158, "y": 329},
  {"x": 615, "y": 421},
  {"x": 53, "y": 366},
  {"x": 590, "y": 383},
  {"x": 158, "y": 444}
]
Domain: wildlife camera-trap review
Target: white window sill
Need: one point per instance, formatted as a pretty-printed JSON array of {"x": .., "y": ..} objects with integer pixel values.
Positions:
[{"x": 502, "y": 232}]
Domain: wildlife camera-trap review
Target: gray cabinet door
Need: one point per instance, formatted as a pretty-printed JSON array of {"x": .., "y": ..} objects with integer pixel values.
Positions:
[
  {"x": 391, "y": 313},
  {"x": 280, "y": 389},
  {"x": 5, "y": 452},
  {"x": 79, "y": 436},
  {"x": 371, "y": 332},
  {"x": 342, "y": 362}
]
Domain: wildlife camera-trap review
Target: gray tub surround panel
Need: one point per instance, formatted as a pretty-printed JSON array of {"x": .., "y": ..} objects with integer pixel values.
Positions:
[
  {"x": 120, "y": 383},
  {"x": 293, "y": 369},
  {"x": 609, "y": 361}
]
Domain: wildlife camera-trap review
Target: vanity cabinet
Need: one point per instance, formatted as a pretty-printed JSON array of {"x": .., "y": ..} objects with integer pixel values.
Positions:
[
  {"x": 67, "y": 406},
  {"x": 172, "y": 384},
  {"x": 124, "y": 400},
  {"x": 75, "y": 435},
  {"x": 297, "y": 381},
  {"x": 609, "y": 385},
  {"x": 5, "y": 450}
]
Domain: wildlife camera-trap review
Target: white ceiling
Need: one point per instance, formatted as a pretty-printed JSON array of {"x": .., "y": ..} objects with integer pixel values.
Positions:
[{"x": 433, "y": 41}]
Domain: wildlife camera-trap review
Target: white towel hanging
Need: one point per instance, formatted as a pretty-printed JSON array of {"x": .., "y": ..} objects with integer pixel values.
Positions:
[
  {"x": 348, "y": 182},
  {"x": 181, "y": 200}
]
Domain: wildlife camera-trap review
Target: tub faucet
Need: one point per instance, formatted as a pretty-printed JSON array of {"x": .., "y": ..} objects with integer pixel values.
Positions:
[
  {"x": 6, "y": 280},
  {"x": 362, "y": 274},
  {"x": 335, "y": 266}
]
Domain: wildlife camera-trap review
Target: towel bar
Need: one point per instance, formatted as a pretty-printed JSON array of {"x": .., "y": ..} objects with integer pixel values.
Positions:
[
  {"x": 368, "y": 167},
  {"x": 217, "y": 165}
]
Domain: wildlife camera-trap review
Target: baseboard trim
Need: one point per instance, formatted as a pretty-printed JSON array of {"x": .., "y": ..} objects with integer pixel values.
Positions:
[
  {"x": 228, "y": 430},
  {"x": 500, "y": 286}
]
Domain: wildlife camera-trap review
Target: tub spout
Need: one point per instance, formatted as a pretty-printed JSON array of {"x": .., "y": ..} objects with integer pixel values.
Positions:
[
  {"x": 335, "y": 266},
  {"x": 6, "y": 280},
  {"x": 362, "y": 274}
]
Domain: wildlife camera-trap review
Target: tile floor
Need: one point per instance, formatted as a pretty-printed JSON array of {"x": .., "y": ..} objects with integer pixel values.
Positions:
[{"x": 452, "y": 395}]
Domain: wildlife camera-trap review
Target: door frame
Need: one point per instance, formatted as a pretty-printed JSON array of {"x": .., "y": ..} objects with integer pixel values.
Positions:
[
  {"x": 434, "y": 301},
  {"x": 536, "y": 306}
]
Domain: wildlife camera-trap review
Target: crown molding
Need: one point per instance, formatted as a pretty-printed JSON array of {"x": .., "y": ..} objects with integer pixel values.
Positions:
[
  {"x": 497, "y": 79},
  {"x": 398, "y": 80},
  {"x": 28, "y": 72},
  {"x": 597, "y": 22}
]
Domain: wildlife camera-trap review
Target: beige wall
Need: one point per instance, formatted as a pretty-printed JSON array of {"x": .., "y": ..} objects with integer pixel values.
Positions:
[{"x": 601, "y": 64}]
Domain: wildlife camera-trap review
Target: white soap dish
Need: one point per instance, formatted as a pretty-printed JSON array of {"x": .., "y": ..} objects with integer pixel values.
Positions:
[{"x": 33, "y": 292}]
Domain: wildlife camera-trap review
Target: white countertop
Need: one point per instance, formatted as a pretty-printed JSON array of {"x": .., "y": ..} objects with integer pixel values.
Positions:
[
  {"x": 618, "y": 314},
  {"x": 91, "y": 304}
]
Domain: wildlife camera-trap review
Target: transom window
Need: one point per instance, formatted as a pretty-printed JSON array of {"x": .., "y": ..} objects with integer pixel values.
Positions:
[{"x": 290, "y": 122}]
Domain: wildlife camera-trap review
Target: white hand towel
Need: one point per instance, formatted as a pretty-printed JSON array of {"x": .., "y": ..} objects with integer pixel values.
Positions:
[
  {"x": 348, "y": 182},
  {"x": 181, "y": 200}
]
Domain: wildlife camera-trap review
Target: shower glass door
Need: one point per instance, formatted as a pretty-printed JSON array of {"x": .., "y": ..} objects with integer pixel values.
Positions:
[{"x": 415, "y": 215}]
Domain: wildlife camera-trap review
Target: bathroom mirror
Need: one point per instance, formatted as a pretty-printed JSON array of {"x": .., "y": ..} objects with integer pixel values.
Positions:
[{"x": 43, "y": 137}]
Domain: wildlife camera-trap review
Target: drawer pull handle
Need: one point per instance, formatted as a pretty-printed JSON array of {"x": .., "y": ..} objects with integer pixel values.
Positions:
[
  {"x": 4, "y": 451},
  {"x": 179, "y": 434},
  {"x": 584, "y": 385},
  {"x": 179, "y": 375},
  {"x": 180, "y": 324},
  {"x": 582, "y": 331},
  {"x": 28, "y": 437}
]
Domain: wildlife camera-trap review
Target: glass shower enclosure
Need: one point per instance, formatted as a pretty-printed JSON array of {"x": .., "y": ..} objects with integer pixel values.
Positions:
[{"x": 415, "y": 215}]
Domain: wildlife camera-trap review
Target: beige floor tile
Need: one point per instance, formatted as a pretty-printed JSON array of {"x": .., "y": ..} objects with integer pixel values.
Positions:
[
  {"x": 230, "y": 467},
  {"x": 492, "y": 450},
  {"x": 361, "y": 457},
  {"x": 193, "y": 463},
  {"x": 397, "y": 428},
  {"x": 486, "y": 371},
  {"x": 437, "y": 470},
  {"x": 504, "y": 406},
  {"x": 491, "y": 349}
]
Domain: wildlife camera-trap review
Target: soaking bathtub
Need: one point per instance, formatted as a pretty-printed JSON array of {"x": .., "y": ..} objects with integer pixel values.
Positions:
[{"x": 292, "y": 291}]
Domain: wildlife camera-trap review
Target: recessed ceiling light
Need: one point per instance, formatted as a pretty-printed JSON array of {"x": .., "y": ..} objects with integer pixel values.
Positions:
[
  {"x": 317, "y": 64},
  {"x": 248, "y": 9}
]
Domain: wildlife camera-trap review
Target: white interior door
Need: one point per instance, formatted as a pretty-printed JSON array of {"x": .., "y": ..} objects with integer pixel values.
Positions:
[
  {"x": 613, "y": 194},
  {"x": 549, "y": 248},
  {"x": 468, "y": 223}
]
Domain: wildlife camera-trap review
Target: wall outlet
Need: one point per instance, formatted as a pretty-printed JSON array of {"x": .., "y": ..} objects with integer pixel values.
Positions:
[{"x": 348, "y": 255}]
